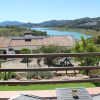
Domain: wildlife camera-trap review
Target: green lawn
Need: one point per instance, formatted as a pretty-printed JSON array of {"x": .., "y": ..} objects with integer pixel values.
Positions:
[{"x": 45, "y": 86}]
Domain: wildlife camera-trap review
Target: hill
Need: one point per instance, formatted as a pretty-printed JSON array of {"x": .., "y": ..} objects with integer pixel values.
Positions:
[
  {"x": 54, "y": 23},
  {"x": 18, "y": 31},
  {"x": 10, "y": 23},
  {"x": 83, "y": 23}
]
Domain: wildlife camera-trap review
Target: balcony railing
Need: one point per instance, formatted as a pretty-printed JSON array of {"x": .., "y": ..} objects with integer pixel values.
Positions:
[{"x": 49, "y": 69}]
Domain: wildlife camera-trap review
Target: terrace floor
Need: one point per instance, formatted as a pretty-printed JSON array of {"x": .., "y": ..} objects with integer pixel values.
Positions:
[{"x": 4, "y": 95}]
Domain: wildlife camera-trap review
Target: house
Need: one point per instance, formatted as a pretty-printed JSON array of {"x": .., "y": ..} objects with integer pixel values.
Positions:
[{"x": 12, "y": 45}]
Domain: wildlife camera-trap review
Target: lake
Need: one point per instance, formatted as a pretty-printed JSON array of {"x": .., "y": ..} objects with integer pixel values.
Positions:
[{"x": 76, "y": 35}]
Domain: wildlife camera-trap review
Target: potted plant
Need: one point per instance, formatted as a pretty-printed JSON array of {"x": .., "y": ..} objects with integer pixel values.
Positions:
[{"x": 74, "y": 92}]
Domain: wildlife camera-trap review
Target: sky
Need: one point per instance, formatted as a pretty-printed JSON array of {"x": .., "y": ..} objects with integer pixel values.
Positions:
[{"x": 37, "y": 11}]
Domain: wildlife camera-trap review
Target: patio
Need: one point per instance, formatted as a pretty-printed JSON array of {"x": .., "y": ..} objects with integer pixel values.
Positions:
[{"x": 42, "y": 93}]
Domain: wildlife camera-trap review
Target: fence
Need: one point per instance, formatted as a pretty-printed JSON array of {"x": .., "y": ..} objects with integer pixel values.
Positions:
[{"x": 49, "y": 69}]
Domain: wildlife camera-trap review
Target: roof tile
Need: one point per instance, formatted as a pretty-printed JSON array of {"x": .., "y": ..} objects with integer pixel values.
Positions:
[
  {"x": 55, "y": 40},
  {"x": 5, "y": 42}
]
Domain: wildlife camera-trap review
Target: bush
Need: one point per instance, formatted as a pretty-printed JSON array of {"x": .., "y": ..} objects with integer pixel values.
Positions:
[
  {"x": 53, "y": 49},
  {"x": 87, "y": 45},
  {"x": 96, "y": 84},
  {"x": 7, "y": 75},
  {"x": 25, "y": 51},
  {"x": 42, "y": 74}
]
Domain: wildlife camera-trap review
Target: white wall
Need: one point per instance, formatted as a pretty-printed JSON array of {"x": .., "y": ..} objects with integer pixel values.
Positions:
[
  {"x": 71, "y": 38},
  {"x": 21, "y": 47}
]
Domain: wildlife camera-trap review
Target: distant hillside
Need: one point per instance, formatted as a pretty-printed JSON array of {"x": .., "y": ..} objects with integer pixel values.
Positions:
[
  {"x": 10, "y": 23},
  {"x": 18, "y": 31},
  {"x": 29, "y": 25},
  {"x": 84, "y": 23},
  {"x": 54, "y": 23}
]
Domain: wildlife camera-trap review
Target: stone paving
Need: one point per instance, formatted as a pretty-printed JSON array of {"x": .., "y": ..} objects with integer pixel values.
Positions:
[{"x": 41, "y": 93}]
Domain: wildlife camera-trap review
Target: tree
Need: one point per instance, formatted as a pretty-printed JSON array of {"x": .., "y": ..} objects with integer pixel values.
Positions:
[
  {"x": 25, "y": 51},
  {"x": 87, "y": 45},
  {"x": 97, "y": 40},
  {"x": 53, "y": 49}
]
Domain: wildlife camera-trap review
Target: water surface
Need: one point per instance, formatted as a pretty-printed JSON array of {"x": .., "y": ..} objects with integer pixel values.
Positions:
[{"x": 76, "y": 35}]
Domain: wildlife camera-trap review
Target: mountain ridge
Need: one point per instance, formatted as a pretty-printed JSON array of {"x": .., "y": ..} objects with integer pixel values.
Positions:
[
  {"x": 9, "y": 23},
  {"x": 85, "y": 23}
]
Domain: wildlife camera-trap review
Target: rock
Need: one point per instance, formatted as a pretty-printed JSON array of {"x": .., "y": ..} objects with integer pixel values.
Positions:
[
  {"x": 79, "y": 75},
  {"x": 35, "y": 77},
  {"x": 18, "y": 77},
  {"x": 47, "y": 78},
  {"x": 75, "y": 78},
  {"x": 85, "y": 77},
  {"x": 23, "y": 79},
  {"x": 65, "y": 78},
  {"x": 39, "y": 77}
]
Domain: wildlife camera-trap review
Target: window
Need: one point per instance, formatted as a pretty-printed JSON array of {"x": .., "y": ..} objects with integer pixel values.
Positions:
[
  {"x": 27, "y": 40},
  {"x": 10, "y": 49}
]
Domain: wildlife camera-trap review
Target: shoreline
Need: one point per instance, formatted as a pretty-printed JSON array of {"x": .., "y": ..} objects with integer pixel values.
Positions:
[{"x": 82, "y": 31}]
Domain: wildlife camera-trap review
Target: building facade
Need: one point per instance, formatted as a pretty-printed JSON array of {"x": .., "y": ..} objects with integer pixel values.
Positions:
[{"x": 12, "y": 45}]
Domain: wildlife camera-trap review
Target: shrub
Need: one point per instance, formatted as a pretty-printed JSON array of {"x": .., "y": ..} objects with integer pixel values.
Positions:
[
  {"x": 25, "y": 51},
  {"x": 42, "y": 74},
  {"x": 7, "y": 75},
  {"x": 53, "y": 49},
  {"x": 87, "y": 45}
]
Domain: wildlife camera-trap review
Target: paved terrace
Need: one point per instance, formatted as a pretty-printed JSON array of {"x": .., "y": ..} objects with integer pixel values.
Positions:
[{"x": 4, "y": 95}]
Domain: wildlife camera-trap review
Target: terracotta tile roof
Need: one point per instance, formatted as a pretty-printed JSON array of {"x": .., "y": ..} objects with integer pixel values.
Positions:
[
  {"x": 26, "y": 43},
  {"x": 5, "y": 43},
  {"x": 58, "y": 40},
  {"x": 37, "y": 41},
  {"x": 1, "y": 39}
]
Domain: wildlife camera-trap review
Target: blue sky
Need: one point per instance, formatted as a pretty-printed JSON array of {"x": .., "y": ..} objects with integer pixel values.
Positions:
[{"x": 43, "y": 10}]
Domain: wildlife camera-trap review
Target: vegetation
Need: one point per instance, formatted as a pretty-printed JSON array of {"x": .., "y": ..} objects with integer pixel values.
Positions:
[
  {"x": 18, "y": 31},
  {"x": 86, "y": 23},
  {"x": 97, "y": 40},
  {"x": 89, "y": 26},
  {"x": 25, "y": 51},
  {"x": 7, "y": 75},
  {"x": 40, "y": 75},
  {"x": 87, "y": 46},
  {"x": 45, "y": 86},
  {"x": 52, "y": 49},
  {"x": 55, "y": 49},
  {"x": 38, "y": 33},
  {"x": 12, "y": 31},
  {"x": 82, "y": 23}
]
